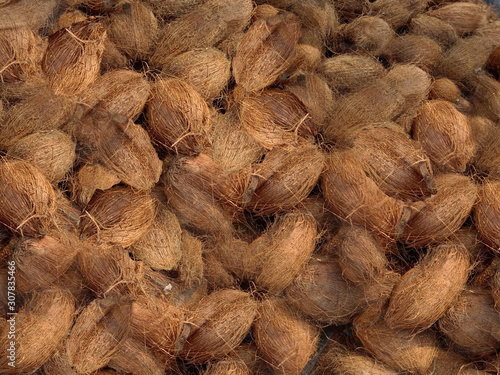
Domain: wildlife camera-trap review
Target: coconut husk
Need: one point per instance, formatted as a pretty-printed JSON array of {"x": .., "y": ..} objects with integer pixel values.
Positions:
[
  {"x": 479, "y": 256},
  {"x": 433, "y": 28},
  {"x": 58, "y": 364},
  {"x": 414, "y": 49},
  {"x": 395, "y": 12},
  {"x": 73, "y": 281},
  {"x": 168, "y": 9},
  {"x": 319, "y": 22},
  {"x": 13, "y": 92},
  {"x": 448, "y": 362},
  {"x": 98, "y": 333},
  {"x": 73, "y": 57},
  {"x": 190, "y": 266},
  {"x": 53, "y": 152},
  {"x": 494, "y": 61},
  {"x": 486, "y": 214},
  {"x": 117, "y": 216},
  {"x": 309, "y": 56},
  {"x": 247, "y": 352},
  {"x": 230, "y": 45},
  {"x": 178, "y": 117},
  {"x": 445, "y": 89},
  {"x": 349, "y": 72},
  {"x": 348, "y": 10},
  {"x": 327, "y": 223},
  {"x": 441, "y": 215},
  {"x": 487, "y": 140},
  {"x": 67, "y": 215},
  {"x": 211, "y": 337},
  {"x": 264, "y": 11},
  {"x": 485, "y": 95},
  {"x": 136, "y": 358},
  {"x": 34, "y": 14},
  {"x": 112, "y": 58},
  {"x": 99, "y": 7},
  {"x": 40, "y": 328},
  {"x": 445, "y": 135},
  {"x": 356, "y": 199},
  {"x": 67, "y": 19},
  {"x": 89, "y": 178},
  {"x": 228, "y": 365},
  {"x": 473, "y": 323},
  {"x": 494, "y": 282},
  {"x": 215, "y": 273},
  {"x": 284, "y": 339},
  {"x": 207, "y": 69}
]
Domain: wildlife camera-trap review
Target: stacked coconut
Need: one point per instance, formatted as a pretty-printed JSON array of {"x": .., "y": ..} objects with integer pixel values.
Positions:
[{"x": 224, "y": 187}]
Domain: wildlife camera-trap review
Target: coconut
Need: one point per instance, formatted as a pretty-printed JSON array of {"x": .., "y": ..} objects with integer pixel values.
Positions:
[
  {"x": 445, "y": 135},
  {"x": 440, "y": 216},
  {"x": 494, "y": 61},
  {"x": 229, "y": 46},
  {"x": 190, "y": 266},
  {"x": 58, "y": 364},
  {"x": 327, "y": 223},
  {"x": 487, "y": 137},
  {"x": 89, "y": 178},
  {"x": 348, "y": 10},
  {"x": 178, "y": 117},
  {"x": 112, "y": 58},
  {"x": 286, "y": 178},
  {"x": 451, "y": 362},
  {"x": 135, "y": 357},
  {"x": 67, "y": 19},
  {"x": 284, "y": 339},
  {"x": 211, "y": 337},
  {"x": 445, "y": 89},
  {"x": 414, "y": 49},
  {"x": 319, "y": 22},
  {"x": 99, "y": 6},
  {"x": 485, "y": 95},
  {"x": 40, "y": 328},
  {"x": 34, "y": 14},
  {"x": 215, "y": 273},
  {"x": 397, "y": 13},
  {"x": 433, "y": 28},
  {"x": 99, "y": 331},
  {"x": 473, "y": 323},
  {"x": 355, "y": 198},
  {"x": 309, "y": 56},
  {"x": 321, "y": 293},
  {"x": 348, "y": 72},
  {"x": 234, "y": 366},
  {"x": 465, "y": 17},
  {"x": 52, "y": 151},
  {"x": 168, "y": 9},
  {"x": 117, "y": 216},
  {"x": 397, "y": 164},
  {"x": 486, "y": 213},
  {"x": 73, "y": 57},
  {"x": 207, "y": 69}
]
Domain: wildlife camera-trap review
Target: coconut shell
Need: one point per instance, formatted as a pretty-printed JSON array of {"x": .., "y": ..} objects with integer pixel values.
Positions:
[
  {"x": 433, "y": 28},
  {"x": 396, "y": 13},
  {"x": 445, "y": 89},
  {"x": 441, "y": 215},
  {"x": 136, "y": 358},
  {"x": 445, "y": 135},
  {"x": 117, "y": 216},
  {"x": 73, "y": 57},
  {"x": 40, "y": 328},
  {"x": 178, "y": 117},
  {"x": 53, "y": 152},
  {"x": 284, "y": 339},
  {"x": 414, "y": 49},
  {"x": 465, "y": 17},
  {"x": 211, "y": 337},
  {"x": 89, "y": 178},
  {"x": 486, "y": 214}
]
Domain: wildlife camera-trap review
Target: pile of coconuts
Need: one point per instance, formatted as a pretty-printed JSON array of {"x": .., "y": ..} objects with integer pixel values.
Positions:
[{"x": 296, "y": 187}]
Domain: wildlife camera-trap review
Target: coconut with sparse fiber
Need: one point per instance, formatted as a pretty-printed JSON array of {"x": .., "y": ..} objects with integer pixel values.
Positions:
[
  {"x": 396, "y": 13},
  {"x": 433, "y": 28}
]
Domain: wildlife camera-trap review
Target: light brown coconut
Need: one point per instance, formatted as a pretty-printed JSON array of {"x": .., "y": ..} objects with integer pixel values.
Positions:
[
  {"x": 321, "y": 293},
  {"x": 326, "y": 221},
  {"x": 284, "y": 339},
  {"x": 168, "y": 9},
  {"x": 309, "y": 56},
  {"x": 233, "y": 366},
  {"x": 487, "y": 139},
  {"x": 67, "y": 215},
  {"x": 450, "y": 362},
  {"x": 89, "y": 178},
  {"x": 263, "y": 11},
  {"x": 230, "y": 45},
  {"x": 52, "y": 151},
  {"x": 211, "y": 336},
  {"x": 445, "y": 135},
  {"x": 207, "y": 69},
  {"x": 433, "y": 28},
  {"x": 117, "y": 216},
  {"x": 191, "y": 266},
  {"x": 40, "y": 328},
  {"x": 486, "y": 213},
  {"x": 98, "y": 6},
  {"x": 397, "y": 164},
  {"x": 99, "y": 331},
  {"x": 356, "y": 199},
  {"x": 445, "y": 89},
  {"x": 112, "y": 58},
  {"x": 216, "y": 274},
  {"x": 136, "y": 358},
  {"x": 178, "y": 117},
  {"x": 469, "y": 237},
  {"x": 58, "y": 364},
  {"x": 14, "y": 92},
  {"x": 395, "y": 12},
  {"x": 34, "y": 14},
  {"x": 348, "y": 10},
  {"x": 414, "y": 49},
  {"x": 485, "y": 95},
  {"x": 67, "y": 19},
  {"x": 473, "y": 323},
  {"x": 73, "y": 57}
]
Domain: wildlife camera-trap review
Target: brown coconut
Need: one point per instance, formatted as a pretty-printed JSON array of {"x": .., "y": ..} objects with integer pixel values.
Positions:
[
  {"x": 433, "y": 28},
  {"x": 445, "y": 135},
  {"x": 230, "y": 45},
  {"x": 191, "y": 265},
  {"x": 487, "y": 140},
  {"x": 486, "y": 213},
  {"x": 284, "y": 339},
  {"x": 68, "y": 213},
  {"x": 58, "y": 364},
  {"x": 485, "y": 95},
  {"x": 494, "y": 61},
  {"x": 396, "y": 13},
  {"x": 494, "y": 281},
  {"x": 465, "y": 17},
  {"x": 356, "y": 199},
  {"x": 326, "y": 221},
  {"x": 348, "y": 10},
  {"x": 89, "y": 178},
  {"x": 319, "y": 22},
  {"x": 34, "y": 14},
  {"x": 178, "y": 117},
  {"x": 136, "y": 358},
  {"x": 321, "y": 293},
  {"x": 40, "y": 328},
  {"x": 117, "y": 216},
  {"x": 448, "y": 362},
  {"x": 67, "y": 19},
  {"x": 397, "y": 164},
  {"x": 216, "y": 274},
  {"x": 309, "y": 56},
  {"x": 168, "y": 9},
  {"x": 99, "y": 6},
  {"x": 473, "y": 323},
  {"x": 53, "y": 152},
  {"x": 414, "y": 49},
  {"x": 112, "y": 58},
  {"x": 207, "y": 69},
  {"x": 211, "y": 336},
  {"x": 445, "y": 89},
  {"x": 233, "y": 366},
  {"x": 441, "y": 215},
  {"x": 73, "y": 57}
]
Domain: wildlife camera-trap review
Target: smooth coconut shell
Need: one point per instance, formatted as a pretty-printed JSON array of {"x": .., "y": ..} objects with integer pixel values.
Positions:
[
  {"x": 284, "y": 339},
  {"x": 465, "y": 17},
  {"x": 117, "y": 216},
  {"x": 441, "y": 215},
  {"x": 73, "y": 57},
  {"x": 396, "y": 12},
  {"x": 433, "y": 28},
  {"x": 486, "y": 213},
  {"x": 89, "y": 178},
  {"x": 414, "y": 49},
  {"x": 136, "y": 358},
  {"x": 445, "y": 135}
]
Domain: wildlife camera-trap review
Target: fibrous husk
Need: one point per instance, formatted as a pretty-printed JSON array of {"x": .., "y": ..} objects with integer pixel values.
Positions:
[
  {"x": 414, "y": 49},
  {"x": 99, "y": 331},
  {"x": 229, "y": 365},
  {"x": 433, "y": 28},
  {"x": 32, "y": 13},
  {"x": 178, "y": 117},
  {"x": 348, "y": 10},
  {"x": 73, "y": 57},
  {"x": 479, "y": 256},
  {"x": 230, "y": 45},
  {"x": 396, "y": 12},
  {"x": 326, "y": 221},
  {"x": 285, "y": 178},
  {"x": 487, "y": 212},
  {"x": 472, "y": 322},
  {"x": 219, "y": 323},
  {"x": 216, "y": 275},
  {"x": 494, "y": 61},
  {"x": 494, "y": 281},
  {"x": 441, "y": 215},
  {"x": 117, "y": 216},
  {"x": 445, "y": 89},
  {"x": 267, "y": 50},
  {"x": 89, "y": 178},
  {"x": 450, "y": 362},
  {"x": 487, "y": 139},
  {"x": 309, "y": 56},
  {"x": 27, "y": 199},
  {"x": 98, "y": 6},
  {"x": 52, "y": 151},
  {"x": 168, "y": 9},
  {"x": 40, "y": 328},
  {"x": 112, "y": 58},
  {"x": 207, "y": 69},
  {"x": 445, "y": 135},
  {"x": 58, "y": 364},
  {"x": 284, "y": 339},
  {"x": 485, "y": 95},
  {"x": 263, "y": 11},
  {"x": 191, "y": 265},
  {"x": 135, "y": 357},
  {"x": 67, "y": 19},
  {"x": 321, "y": 293}
]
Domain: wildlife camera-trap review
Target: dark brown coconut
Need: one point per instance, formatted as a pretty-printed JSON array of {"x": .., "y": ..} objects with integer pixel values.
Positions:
[
  {"x": 487, "y": 212},
  {"x": 395, "y": 12},
  {"x": 414, "y": 49},
  {"x": 178, "y": 117},
  {"x": 465, "y": 17},
  {"x": 445, "y": 89},
  {"x": 321, "y": 293},
  {"x": 73, "y": 57},
  {"x": 284, "y": 339},
  {"x": 211, "y": 336},
  {"x": 99, "y": 6},
  {"x": 136, "y": 358},
  {"x": 433, "y": 28},
  {"x": 438, "y": 217},
  {"x": 445, "y": 135},
  {"x": 117, "y": 216},
  {"x": 88, "y": 179},
  {"x": 494, "y": 61}
]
